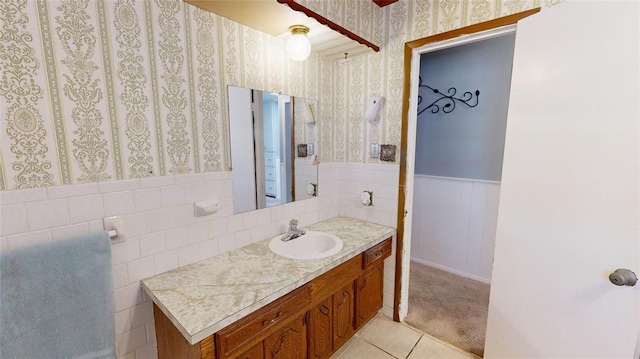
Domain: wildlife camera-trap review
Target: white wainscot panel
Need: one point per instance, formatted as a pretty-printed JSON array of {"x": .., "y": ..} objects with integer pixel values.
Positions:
[{"x": 455, "y": 225}]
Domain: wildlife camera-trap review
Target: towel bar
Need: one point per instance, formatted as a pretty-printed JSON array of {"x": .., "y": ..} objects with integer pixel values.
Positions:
[{"x": 113, "y": 233}]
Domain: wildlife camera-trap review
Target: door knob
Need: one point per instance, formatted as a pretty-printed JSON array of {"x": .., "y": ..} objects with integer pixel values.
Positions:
[{"x": 623, "y": 277}]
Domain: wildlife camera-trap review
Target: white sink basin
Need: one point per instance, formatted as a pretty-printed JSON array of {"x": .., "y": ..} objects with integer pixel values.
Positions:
[{"x": 311, "y": 245}]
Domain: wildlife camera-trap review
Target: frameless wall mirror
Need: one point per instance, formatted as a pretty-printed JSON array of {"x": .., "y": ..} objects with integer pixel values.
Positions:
[{"x": 273, "y": 148}]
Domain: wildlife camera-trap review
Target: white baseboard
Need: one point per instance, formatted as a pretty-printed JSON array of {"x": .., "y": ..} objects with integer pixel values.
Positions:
[{"x": 451, "y": 270}]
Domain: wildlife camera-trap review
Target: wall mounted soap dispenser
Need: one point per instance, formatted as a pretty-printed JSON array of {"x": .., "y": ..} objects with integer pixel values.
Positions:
[{"x": 372, "y": 109}]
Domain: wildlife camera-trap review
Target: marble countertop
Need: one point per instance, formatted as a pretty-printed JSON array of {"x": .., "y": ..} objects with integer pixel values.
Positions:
[{"x": 204, "y": 297}]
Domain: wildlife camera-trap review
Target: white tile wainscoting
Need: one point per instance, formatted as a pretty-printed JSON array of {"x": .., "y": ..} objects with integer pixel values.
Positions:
[
  {"x": 161, "y": 233},
  {"x": 382, "y": 180},
  {"x": 305, "y": 174},
  {"x": 454, "y": 224}
]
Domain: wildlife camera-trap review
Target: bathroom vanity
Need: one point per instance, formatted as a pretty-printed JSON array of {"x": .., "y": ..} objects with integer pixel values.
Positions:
[{"x": 250, "y": 303}]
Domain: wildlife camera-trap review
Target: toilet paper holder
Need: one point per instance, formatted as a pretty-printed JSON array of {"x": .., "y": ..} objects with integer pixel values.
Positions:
[{"x": 367, "y": 198}]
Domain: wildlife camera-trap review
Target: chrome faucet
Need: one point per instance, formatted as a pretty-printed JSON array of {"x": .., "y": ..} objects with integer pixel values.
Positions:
[{"x": 293, "y": 232}]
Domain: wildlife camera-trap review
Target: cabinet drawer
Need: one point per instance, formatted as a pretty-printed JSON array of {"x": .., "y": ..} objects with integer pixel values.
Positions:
[
  {"x": 333, "y": 280},
  {"x": 248, "y": 331},
  {"x": 269, "y": 161},
  {"x": 377, "y": 253},
  {"x": 270, "y": 188},
  {"x": 269, "y": 173}
]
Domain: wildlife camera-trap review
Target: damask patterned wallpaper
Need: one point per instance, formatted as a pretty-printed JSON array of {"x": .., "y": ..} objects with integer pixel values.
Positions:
[
  {"x": 359, "y": 16},
  {"x": 101, "y": 90},
  {"x": 381, "y": 74}
]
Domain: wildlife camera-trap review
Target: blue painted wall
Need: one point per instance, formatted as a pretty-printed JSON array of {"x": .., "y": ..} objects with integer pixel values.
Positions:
[{"x": 468, "y": 142}]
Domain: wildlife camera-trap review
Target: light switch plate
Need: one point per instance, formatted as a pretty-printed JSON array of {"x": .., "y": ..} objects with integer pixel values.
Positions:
[{"x": 375, "y": 150}]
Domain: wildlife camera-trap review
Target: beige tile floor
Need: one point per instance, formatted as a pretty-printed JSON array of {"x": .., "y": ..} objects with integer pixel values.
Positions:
[{"x": 382, "y": 338}]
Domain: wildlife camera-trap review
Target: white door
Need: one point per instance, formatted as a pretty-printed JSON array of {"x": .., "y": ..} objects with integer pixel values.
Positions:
[{"x": 569, "y": 202}]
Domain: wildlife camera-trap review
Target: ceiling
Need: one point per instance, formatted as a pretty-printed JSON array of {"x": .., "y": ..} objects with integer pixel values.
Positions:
[{"x": 273, "y": 18}]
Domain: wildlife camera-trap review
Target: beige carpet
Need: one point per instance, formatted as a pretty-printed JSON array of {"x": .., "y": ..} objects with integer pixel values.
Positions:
[{"x": 448, "y": 307}]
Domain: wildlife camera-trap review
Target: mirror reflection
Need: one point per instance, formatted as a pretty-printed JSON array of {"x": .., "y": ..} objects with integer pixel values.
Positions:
[{"x": 273, "y": 148}]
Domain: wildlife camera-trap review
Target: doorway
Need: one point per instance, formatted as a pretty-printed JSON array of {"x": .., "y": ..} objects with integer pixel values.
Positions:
[
  {"x": 568, "y": 203},
  {"x": 413, "y": 50},
  {"x": 461, "y": 122},
  {"x": 276, "y": 122}
]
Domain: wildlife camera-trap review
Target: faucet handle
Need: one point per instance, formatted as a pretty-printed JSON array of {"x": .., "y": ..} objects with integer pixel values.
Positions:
[{"x": 293, "y": 222}]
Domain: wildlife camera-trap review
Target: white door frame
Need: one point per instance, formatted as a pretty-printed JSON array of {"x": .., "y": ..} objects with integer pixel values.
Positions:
[{"x": 411, "y": 142}]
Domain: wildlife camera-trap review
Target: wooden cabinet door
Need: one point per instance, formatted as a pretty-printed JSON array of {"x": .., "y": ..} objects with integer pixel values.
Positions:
[
  {"x": 343, "y": 315},
  {"x": 369, "y": 293},
  {"x": 321, "y": 330},
  {"x": 289, "y": 342},
  {"x": 256, "y": 352}
]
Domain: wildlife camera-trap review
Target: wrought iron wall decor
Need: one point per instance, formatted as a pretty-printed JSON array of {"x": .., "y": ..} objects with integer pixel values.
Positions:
[{"x": 447, "y": 102}]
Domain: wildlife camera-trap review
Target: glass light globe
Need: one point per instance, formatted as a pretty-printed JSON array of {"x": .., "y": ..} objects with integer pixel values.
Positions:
[{"x": 298, "y": 46}]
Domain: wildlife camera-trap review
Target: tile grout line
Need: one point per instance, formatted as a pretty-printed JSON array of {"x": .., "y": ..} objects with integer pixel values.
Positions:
[
  {"x": 449, "y": 345},
  {"x": 415, "y": 345},
  {"x": 382, "y": 350}
]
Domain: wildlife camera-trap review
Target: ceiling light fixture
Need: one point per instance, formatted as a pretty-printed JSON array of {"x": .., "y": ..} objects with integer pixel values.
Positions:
[{"x": 298, "y": 45}]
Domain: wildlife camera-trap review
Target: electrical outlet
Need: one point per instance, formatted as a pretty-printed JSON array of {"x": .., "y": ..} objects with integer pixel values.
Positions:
[{"x": 375, "y": 150}]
